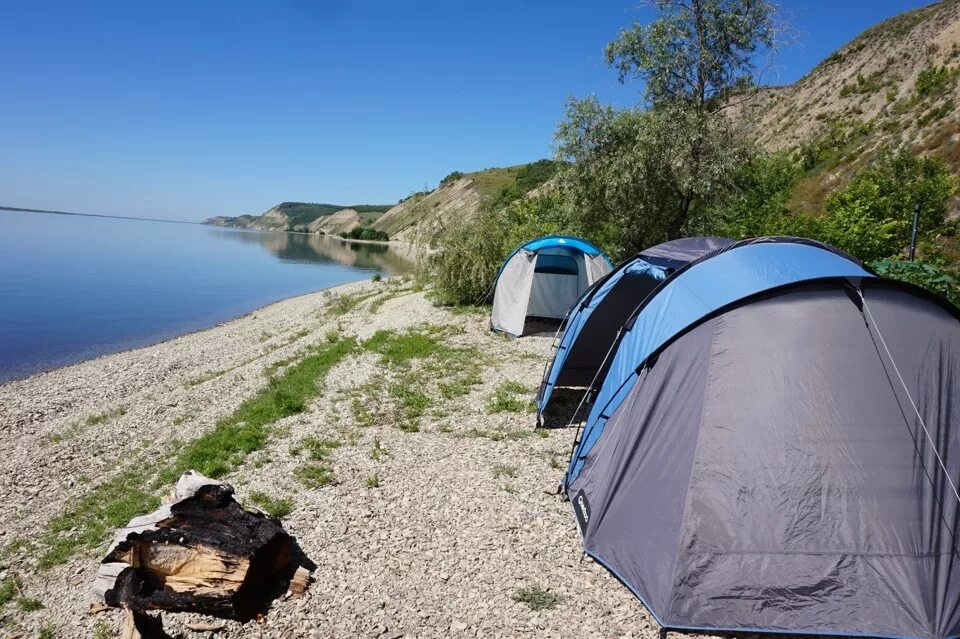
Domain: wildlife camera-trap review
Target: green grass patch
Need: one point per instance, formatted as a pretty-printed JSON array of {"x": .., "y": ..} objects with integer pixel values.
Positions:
[
  {"x": 93, "y": 517},
  {"x": 412, "y": 401},
  {"x": 314, "y": 475},
  {"x": 399, "y": 349},
  {"x": 316, "y": 449},
  {"x": 97, "y": 419},
  {"x": 103, "y": 630},
  {"x": 27, "y": 604},
  {"x": 47, "y": 632},
  {"x": 112, "y": 504},
  {"x": 505, "y": 399},
  {"x": 9, "y": 589},
  {"x": 468, "y": 309},
  {"x": 373, "y": 481},
  {"x": 276, "y": 508},
  {"x": 536, "y": 598},
  {"x": 245, "y": 431},
  {"x": 342, "y": 304}
]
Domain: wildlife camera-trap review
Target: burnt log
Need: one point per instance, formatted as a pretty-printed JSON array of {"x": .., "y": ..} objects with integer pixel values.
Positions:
[{"x": 202, "y": 554}]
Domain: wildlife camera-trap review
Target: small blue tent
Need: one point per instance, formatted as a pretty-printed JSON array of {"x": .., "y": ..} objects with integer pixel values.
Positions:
[
  {"x": 593, "y": 324},
  {"x": 543, "y": 278},
  {"x": 775, "y": 448}
]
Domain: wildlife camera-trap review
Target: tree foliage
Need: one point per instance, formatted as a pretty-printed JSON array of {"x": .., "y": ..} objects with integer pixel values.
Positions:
[
  {"x": 468, "y": 258},
  {"x": 640, "y": 177},
  {"x": 695, "y": 51}
]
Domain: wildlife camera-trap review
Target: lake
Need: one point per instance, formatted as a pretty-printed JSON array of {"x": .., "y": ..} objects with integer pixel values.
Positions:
[{"x": 76, "y": 287}]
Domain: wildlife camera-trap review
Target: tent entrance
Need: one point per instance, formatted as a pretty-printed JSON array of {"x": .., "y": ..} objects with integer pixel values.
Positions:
[{"x": 559, "y": 278}]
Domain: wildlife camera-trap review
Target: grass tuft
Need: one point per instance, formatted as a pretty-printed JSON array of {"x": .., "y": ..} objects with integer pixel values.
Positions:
[
  {"x": 29, "y": 605},
  {"x": 505, "y": 470},
  {"x": 314, "y": 475},
  {"x": 373, "y": 481},
  {"x": 505, "y": 400},
  {"x": 9, "y": 588},
  {"x": 317, "y": 449},
  {"x": 378, "y": 452},
  {"x": 276, "y": 508},
  {"x": 93, "y": 517},
  {"x": 536, "y": 598}
]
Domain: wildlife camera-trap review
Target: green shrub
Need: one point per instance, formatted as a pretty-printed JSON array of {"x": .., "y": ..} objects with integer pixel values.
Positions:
[
  {"x": 928, "y": 276},
  {"x": 451, "y": 177},
  {"x": 934, "y": 80},
  {"x": 365, "y": 233}
]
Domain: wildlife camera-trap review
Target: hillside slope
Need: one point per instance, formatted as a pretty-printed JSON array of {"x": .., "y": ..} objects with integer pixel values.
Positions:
[
  {"x": 895, "y": 85},
  {"x": 421, "y": 217},
  {"x": 299, "y": 216}
]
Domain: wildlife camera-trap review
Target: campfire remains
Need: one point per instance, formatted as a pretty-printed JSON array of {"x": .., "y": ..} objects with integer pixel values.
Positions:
[{"x": 202, "y": 553}]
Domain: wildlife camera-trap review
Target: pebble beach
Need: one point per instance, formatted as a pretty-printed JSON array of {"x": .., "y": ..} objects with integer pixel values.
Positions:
[{"x": 437, "y": 516}]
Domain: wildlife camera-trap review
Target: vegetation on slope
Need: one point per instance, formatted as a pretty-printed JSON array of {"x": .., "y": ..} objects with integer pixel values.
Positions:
[
  {"x": 676, "y": 164},
  {"x": 295, "y": 214}
]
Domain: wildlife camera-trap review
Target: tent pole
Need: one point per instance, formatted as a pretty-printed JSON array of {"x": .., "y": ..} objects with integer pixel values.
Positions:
[{"x": 913, "y": 234}]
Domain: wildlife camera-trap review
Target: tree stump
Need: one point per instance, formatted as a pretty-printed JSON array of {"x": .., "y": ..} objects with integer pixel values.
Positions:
[{"x": 203, "y": 553}]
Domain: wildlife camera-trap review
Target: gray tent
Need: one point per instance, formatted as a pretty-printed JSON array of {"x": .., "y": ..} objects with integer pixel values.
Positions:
[
  {"x": 544, "y": 278},
  {"x": 775, "y": 448}
]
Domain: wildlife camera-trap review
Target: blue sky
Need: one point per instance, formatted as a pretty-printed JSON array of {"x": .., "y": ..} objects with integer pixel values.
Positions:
[{"x": 183, "y": 110}]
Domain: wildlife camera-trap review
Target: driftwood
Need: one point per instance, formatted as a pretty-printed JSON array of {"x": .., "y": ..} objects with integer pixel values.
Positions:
[
  {"x": 139, "y": 625},
  {"x": 202, "y": 553}
]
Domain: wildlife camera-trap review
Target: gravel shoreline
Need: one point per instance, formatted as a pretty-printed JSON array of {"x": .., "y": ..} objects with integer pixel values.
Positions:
[{"x": 439, "y": 517}]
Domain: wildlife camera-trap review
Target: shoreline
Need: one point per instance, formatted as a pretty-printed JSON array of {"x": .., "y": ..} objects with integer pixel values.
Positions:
[{"x": 196, "y": 331}]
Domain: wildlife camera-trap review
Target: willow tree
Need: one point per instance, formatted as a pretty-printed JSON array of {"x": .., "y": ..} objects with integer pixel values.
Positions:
[{"x": 644, "y": 174}]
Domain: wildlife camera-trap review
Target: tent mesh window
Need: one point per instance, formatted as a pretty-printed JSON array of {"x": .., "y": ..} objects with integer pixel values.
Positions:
[{"x": 556, "y": 265}]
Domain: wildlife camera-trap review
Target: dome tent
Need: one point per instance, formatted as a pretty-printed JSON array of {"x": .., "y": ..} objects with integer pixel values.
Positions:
[
  {"x": 593, "y": 324},
  {"x": 775, "y": 449},
  {"x": 543, "y": 278}
]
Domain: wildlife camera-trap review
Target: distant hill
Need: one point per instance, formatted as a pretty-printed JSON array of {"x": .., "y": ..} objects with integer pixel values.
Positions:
[
  {"x": 297, "y": 216},
  {"x": 418, "y": 218},
  {"x": 894, "y": 85}
]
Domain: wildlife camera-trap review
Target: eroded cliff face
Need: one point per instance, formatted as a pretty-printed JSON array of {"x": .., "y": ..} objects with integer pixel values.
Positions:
[
  {"x": 342, "y": 221},
  {"x": 420, "y": 218},
  {"x": 895, "y": 85}
]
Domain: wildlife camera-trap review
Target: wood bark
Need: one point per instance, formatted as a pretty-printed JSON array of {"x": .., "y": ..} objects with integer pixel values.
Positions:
[{"x": 203, "y": 554}]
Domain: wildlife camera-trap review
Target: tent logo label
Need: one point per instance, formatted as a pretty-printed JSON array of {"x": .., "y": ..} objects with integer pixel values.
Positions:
[{"x": 582, "y": 510}]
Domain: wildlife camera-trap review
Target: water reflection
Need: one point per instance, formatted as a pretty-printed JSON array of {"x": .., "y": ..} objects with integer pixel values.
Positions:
[{"x": 304, "y": 248}]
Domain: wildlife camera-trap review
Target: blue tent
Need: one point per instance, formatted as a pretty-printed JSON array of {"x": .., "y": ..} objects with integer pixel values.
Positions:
[
  {"x": 543, "y": 278},
  {"x": 775, "y": 449},
  {"x": 592, "y": 325}
]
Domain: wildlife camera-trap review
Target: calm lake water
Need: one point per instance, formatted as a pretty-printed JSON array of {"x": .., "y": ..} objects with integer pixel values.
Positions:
[{"x": 73, "y": 287}]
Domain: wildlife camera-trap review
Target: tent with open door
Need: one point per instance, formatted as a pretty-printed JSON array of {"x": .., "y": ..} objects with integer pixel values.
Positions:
[
  {"x": 592, "y": 326},
  {"x": 776, "y": 448},
  {"x": 543, "y": 278}
]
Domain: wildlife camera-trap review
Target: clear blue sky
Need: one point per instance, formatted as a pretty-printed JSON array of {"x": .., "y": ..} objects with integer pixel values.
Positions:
[{"x": 185, "y": 110}]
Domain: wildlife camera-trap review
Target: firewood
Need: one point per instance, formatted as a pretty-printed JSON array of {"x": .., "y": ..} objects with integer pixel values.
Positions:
[
  {"x": 299, "y": 581},
  {"x": 139, "y": 625},
  {"x": 204, "y": 554}
]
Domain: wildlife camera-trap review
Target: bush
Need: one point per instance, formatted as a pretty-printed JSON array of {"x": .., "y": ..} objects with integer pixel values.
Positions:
[
  {"x": 366, "y": 233},
  {"x": 934, "y": 80},
  {"x": 871, "y": 217},
  {"x": 452, "y": 177},
  {"x": 468, "y": 258},
  {"x": 925, "y": 275}
]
